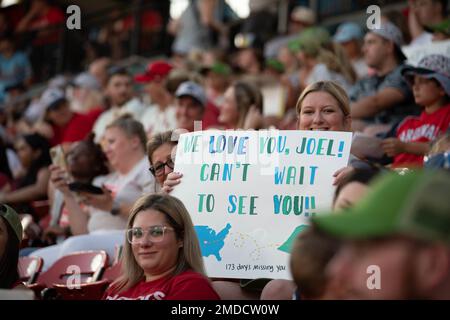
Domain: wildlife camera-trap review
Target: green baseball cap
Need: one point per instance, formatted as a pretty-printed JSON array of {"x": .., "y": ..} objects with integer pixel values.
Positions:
[
  {"x": 217, "y": 68},
  {"x": 13, "y": 219},
  {"x": 415, "y": 204},
  {"x": 310, "y": 40},
  {"x": 275, "y": 64},
  {"x": 442, "y": 27}
]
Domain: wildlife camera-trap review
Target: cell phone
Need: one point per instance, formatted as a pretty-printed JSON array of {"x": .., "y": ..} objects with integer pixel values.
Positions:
[
  {"x": 85, "y": 187},
  {"x": 58, "y": 157}
]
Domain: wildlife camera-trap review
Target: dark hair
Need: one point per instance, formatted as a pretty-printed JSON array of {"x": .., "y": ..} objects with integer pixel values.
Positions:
[
  {"x": 36, "y": 142},
  {"x": 443, "y": 6},
  {"x": 117, "y": 71},
  {"x": 98, "y": 157},
  {"x": 364, "y": 176},
  {"x": 399, "y": 20},
  {"x": 174, "y": 81},
  {"x": 8, "y": 38},
  {"x": 311, "y": 252},
  {"x": 9, "y": 260},
  {"x": 4, "y": 165}
]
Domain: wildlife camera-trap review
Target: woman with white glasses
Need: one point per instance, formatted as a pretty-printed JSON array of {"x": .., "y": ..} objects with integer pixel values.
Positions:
[{"x": 162, "y": 259}]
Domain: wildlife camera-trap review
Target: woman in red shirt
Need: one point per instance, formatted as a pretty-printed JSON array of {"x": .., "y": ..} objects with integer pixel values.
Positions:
[{"x": 162, "y": 259}]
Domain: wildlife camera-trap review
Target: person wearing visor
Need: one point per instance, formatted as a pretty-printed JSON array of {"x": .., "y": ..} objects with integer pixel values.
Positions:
[
  {"x": 430, "y": 82},
  {"x": 162, "y": 258}
]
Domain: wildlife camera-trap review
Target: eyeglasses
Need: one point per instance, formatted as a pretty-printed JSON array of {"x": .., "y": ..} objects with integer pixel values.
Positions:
[
  {"x": 158, "y": 170},
  {"x": 154, "y": 234}
]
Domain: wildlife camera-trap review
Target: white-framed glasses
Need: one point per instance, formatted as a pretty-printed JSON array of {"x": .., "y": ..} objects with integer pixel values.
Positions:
[{"x": 153, "y": 233}]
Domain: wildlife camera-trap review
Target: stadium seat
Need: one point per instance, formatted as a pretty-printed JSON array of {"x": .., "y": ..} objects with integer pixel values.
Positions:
[
  {"x": 86, "y": 291},
  {"x": 41, "y": 208},
  {"x": 85, "y": 267},
  {"x": 29, "y": 269},
  {"x": 112, "y": 273}
]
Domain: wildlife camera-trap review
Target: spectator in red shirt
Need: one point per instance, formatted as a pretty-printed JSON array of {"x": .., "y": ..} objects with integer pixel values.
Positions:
[
  {"x": 162, "y": 259},
  {"x": 66, "y": 126},
  {"x": 42, "y": 26},
  {"x": 40, "y": 16},
  {"x": 431, "y": 88}
]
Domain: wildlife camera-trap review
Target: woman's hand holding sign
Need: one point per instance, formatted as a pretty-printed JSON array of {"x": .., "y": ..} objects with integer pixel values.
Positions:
[{"x": 172, "y": 180}]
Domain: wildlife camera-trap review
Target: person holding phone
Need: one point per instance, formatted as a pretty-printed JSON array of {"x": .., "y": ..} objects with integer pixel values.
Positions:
[
  {"x": 85, "y": 161},
  {"x": 100, "y": 226}
]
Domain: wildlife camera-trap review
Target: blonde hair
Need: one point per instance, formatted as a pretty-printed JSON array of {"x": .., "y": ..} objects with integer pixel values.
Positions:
[
  {"x": 131, "y": 127},
  {"x": 329, "y": 87},
  {"x": 189, "y": 256}
]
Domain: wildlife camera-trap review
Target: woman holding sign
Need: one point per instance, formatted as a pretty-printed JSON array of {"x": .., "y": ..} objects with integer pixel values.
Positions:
[
  {"x": 162, "y": 259},
  {"x": 322, "y": 106},
  {"x": 159, "y": 151}
]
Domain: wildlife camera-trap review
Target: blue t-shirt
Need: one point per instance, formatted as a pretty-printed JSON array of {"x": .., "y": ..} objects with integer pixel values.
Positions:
[{"x": 13, "y": 70}]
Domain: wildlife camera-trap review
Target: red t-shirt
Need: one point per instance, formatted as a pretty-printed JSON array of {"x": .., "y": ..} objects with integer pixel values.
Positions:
[
  {"x": 211, "y": 116},
  {"x": 150, "y": 20},
  {"x": 53, "y": 16},
  {"x": 425, "y": 128},
  {"x": 77, "y": 129},
  {"x": 188, "y": 285}
]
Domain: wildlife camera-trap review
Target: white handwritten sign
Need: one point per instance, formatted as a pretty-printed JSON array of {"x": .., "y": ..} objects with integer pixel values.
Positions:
[{"x": 250, "y": 193}]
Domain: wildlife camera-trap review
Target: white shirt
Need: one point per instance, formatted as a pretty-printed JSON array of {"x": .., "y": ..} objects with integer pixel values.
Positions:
[
  {"x": 14, "y": 163},
  {"x": 125, "y": 188},
  {"x": 424, "y": 39},
  {"x": 156, "y": 120},
  {"x": 361, "y": 68},
  {"x": 133, "y": 107}
]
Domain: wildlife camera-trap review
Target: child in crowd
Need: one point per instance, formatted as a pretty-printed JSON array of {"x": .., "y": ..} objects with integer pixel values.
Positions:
[{"x": 431, "y": 87}]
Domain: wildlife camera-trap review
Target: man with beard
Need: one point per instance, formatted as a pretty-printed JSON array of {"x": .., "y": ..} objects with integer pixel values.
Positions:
[{"x": 396, "y": 240}]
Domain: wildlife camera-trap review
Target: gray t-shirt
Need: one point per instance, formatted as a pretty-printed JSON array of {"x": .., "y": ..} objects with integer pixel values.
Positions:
[{"x": 369, "y": 86}]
